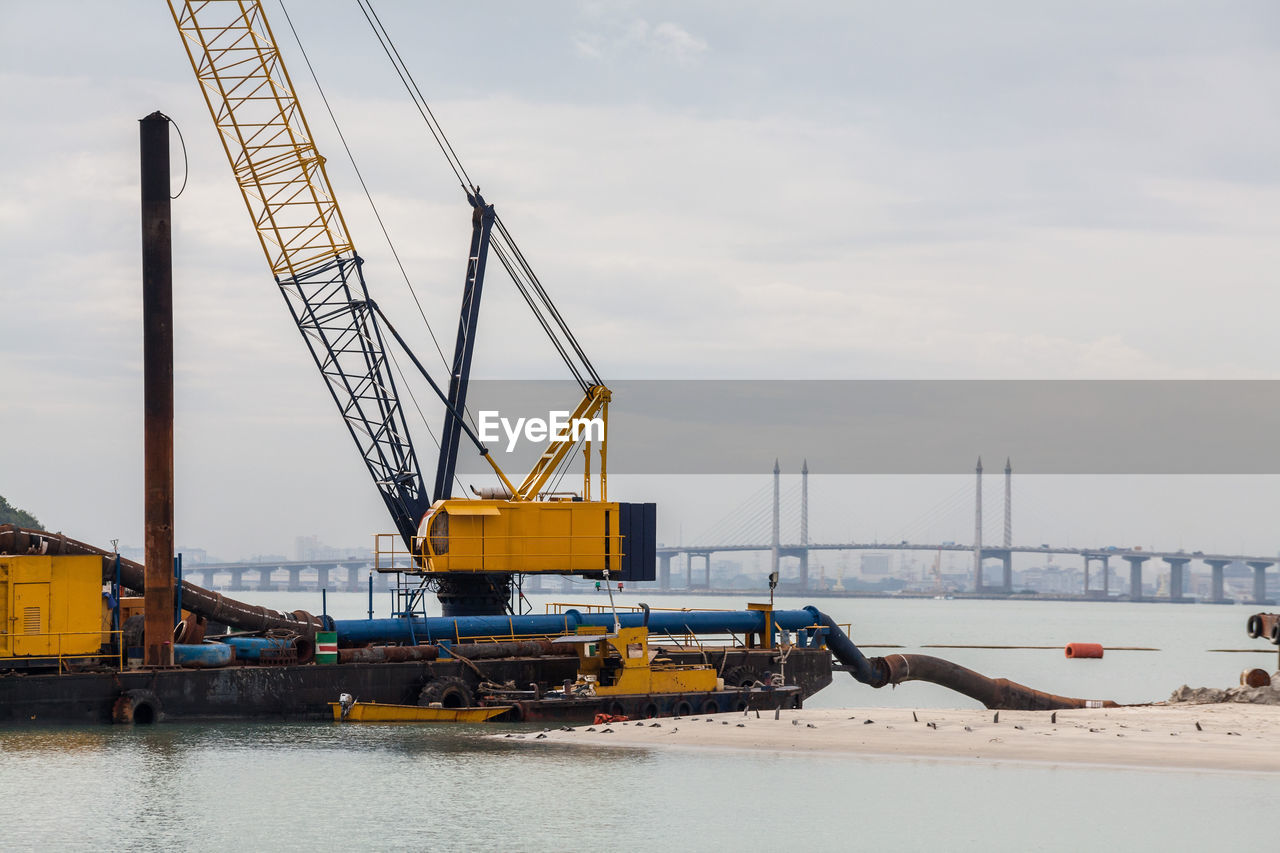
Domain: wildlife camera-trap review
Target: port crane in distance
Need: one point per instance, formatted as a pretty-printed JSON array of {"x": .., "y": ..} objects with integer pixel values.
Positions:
[{"x": 468, "y": 549}]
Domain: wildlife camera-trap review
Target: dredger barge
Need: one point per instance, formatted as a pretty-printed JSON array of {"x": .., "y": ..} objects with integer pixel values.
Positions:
[
  {"x": 76, "y": 655},
  {"x": 73, "y": 657},
  {"x": 86, "y": 636}
]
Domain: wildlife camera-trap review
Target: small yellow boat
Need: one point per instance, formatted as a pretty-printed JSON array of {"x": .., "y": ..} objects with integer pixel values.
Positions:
[{"x": 375, "y": 712}]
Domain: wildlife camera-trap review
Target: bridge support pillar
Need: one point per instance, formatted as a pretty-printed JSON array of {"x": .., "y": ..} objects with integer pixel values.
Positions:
[
  {"x": 1218, "y": 592},
  {"x": 1105, "y": 560},
  {"x": 264, "y": 578},
  {"x": 688, "y": 570},
  {"x": 322, "y": 577},
  {"x": 664, "y": 571},
  {"x": 1135, "y": 577},
  {"x": 237, "y": 580},
  {"x": 295, "y": 579},
  {"x": 1176, "y": 567},
  {"x": 206, "y": 578},
  {"x": 804, "y": 570},
  {"x": 1006, "y": 562},
  {"x": 1260, "y": 580}
]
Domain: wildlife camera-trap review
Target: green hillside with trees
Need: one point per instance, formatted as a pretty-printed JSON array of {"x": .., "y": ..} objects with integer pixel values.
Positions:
[{"x": 13, "y": 515}]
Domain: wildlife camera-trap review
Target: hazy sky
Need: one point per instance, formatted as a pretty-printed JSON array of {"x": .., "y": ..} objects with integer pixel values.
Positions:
[{"x": 741, "y": 190}]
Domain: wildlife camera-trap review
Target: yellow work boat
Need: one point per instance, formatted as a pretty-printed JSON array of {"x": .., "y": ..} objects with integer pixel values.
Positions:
[{"x": 376, "y": 712}]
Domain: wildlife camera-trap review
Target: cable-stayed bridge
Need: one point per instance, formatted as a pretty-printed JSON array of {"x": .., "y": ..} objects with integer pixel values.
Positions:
[{"x": 757, "y": 525}]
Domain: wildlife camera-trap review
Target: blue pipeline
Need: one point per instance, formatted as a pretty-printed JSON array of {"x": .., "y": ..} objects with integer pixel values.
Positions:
[
  {"x": 356, "y": 632},
  {"x": 205, "y": 654},
  {"x": 845, "y": 651},
  {"x": 251, "y": 648}
]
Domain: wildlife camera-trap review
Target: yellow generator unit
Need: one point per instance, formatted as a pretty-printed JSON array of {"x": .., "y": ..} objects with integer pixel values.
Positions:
[
  {"x": 529, "y": 537},
  {"x": 50, "y": 606},
  {"x": 623, "y": 663}
]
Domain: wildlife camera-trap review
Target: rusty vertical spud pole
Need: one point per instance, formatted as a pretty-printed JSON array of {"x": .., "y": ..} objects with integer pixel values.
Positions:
[{"x": 157, "y": 358}]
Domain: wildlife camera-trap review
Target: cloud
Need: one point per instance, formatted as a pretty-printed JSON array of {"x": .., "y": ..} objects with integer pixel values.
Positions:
[
  {"x": 675, "y": 41},
  {"x": 618, "y": 38},
  {"x": 838, "y": 191}
]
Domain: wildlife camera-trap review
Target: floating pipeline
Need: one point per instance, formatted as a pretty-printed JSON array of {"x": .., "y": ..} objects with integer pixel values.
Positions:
[{"x": 198, "y": 600}]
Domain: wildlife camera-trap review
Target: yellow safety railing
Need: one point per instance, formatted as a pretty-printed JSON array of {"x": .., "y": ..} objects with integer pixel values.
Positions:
[
  {"x": 61, "y": 656},
  {"x": 687, "y": 640},
  {"x": 390, "y": 555}
]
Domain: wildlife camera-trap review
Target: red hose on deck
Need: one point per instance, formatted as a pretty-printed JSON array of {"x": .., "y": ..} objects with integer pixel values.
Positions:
[{"x": 1084, "y": 650}]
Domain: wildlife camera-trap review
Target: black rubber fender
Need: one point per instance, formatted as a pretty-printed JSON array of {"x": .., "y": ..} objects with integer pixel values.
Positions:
[
  {"x": 449, "y": 690},
  {"x": 137, "y": 707},
  {"x": 741, "y": 676},
  {"x": 132, "y": 631}
]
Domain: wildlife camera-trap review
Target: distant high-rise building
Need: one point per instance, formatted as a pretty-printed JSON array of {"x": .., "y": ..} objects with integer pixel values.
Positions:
[{"x": 875, "y": 564}]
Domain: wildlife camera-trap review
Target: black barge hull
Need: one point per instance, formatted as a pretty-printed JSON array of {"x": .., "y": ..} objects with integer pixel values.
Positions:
[{"x": 303, "y": 692}]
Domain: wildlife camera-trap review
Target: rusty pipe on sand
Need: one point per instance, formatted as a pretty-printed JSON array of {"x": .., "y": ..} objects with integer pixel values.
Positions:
[{"x": 998, "y": 694}]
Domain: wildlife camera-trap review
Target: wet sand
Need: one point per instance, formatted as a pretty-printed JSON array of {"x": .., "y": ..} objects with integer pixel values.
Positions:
[{"x": 1230, "y": 736}]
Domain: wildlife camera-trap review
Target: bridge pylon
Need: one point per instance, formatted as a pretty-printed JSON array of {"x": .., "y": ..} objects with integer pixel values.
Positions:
[{"x": 977, "y": 532}]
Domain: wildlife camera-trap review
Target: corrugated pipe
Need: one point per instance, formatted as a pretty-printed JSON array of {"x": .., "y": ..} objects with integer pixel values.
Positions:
[
  {"x": 206, "y": 603},
  {"x": 470, "y": 651}
]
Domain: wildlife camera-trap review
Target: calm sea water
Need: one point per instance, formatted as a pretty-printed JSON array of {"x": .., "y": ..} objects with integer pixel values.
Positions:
[{"x": 330, "y": 787}]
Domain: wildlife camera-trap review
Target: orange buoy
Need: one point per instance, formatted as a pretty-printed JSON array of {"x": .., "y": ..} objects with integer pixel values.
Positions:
[
  {"x": 1255, "y": 678},
  {"x": 1084, "y": 650}
]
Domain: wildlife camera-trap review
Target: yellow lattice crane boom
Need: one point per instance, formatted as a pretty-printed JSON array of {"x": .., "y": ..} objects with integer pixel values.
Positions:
[
  {"x": 264, "y": 133},
  {"x": 302, "y": 232}
]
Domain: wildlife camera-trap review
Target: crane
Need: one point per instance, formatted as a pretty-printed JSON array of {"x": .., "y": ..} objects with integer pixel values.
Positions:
[{"x": 469, "y": 549}]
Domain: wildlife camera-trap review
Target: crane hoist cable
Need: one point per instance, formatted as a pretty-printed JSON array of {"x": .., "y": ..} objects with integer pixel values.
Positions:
[
  {"x": 517, "y": 266},
  {"x": 419, "y": 101},
  {"x": 367, "y": 194},
  {"x": 408, "y": 388}
]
